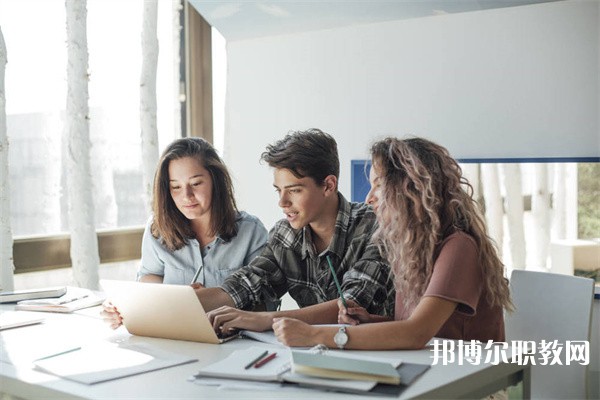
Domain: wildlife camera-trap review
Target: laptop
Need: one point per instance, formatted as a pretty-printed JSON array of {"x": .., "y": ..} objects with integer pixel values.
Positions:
[{"x": 161, "y": 311}]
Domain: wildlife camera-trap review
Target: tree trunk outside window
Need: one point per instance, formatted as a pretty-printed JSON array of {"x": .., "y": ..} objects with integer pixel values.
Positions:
[
  {"x": 493, "y": 204},
  {"x": 149, "y": 130},
  {"x": 6, "y": 239},
  {"x": 515, "y": 209},
  {"x": 540, "y": 210},
  {"x": 84, "y": 244}
]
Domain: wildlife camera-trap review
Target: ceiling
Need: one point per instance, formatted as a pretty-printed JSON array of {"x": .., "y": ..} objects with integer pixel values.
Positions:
[{"x": 237, "y": 20}]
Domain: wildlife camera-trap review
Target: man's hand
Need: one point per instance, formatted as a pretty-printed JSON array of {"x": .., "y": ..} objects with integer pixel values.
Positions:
[
  {"x": 294, "y": 333},
  {"x": 225, "y": 319}
]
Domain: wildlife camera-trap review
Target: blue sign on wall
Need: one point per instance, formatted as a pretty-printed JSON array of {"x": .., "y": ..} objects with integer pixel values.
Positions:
[{"x": 360, "y": 179}]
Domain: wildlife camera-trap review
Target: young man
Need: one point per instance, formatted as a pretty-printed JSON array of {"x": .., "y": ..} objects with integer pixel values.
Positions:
[{"x": 319, "y": 223}]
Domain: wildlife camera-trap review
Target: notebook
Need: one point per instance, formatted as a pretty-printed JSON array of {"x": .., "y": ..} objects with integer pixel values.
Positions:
[
  {"x": 345, "y": 367},
  {"x": 162, "y": 311},
  {"x": 18, "y": 295},
  {"x": 75, "y": 299}
]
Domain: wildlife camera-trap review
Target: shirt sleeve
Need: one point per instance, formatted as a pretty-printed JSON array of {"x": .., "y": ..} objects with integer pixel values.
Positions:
[
  {"x": 151, "y": 262},
  {"x": 457, "y": 275},
  {"x": 368, "y": 281},
  {"x": 260, "y": 281}
]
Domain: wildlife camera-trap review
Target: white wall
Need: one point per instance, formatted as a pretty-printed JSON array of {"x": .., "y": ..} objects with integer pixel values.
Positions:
[{"x": 512, "y": 82}]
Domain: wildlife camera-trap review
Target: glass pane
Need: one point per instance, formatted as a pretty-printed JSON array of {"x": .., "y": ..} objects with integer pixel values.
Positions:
[{"x": 36, "y": 100}]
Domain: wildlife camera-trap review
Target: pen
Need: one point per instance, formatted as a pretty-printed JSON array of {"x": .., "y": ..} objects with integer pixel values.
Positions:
[
  {"x": 256, "y": 359},
  {"x": 59, "y": 354},
  {"x": 72, "y": 299},
  {"x": 265, "y": 360},
  {"x": 337, "y": 283},
  {"x": 197, "y": 274}
]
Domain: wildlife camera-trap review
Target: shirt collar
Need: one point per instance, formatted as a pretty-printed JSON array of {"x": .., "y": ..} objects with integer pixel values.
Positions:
[{"x": 338, "y": 241}]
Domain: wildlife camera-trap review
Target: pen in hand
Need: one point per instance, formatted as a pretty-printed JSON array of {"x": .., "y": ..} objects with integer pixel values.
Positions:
[
  {"x": 265, "y": 360},
  {"x": 337, "y": 283},
  {"x": 197, "y": 274},
  {"x": 256, "y": 359}
]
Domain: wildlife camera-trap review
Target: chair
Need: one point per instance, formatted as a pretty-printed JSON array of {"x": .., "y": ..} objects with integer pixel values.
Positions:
[{"x": 552, "y": 307}]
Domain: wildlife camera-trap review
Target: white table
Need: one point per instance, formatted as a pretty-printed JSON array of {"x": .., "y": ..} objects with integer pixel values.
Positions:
[{"x": 21, "y": 381}]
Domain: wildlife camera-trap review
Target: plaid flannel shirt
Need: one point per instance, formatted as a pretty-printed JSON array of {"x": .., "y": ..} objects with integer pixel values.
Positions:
[{"x": 289, "y": 263}]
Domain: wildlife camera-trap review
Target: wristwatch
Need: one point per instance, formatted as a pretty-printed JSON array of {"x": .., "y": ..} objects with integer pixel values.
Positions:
[{"x": 341, "y": 338}]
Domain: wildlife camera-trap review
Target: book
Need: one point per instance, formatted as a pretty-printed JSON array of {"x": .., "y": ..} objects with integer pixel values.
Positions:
[
  {"x": 279, "y": 370},
  {"x": 345, "y": 367},
  {"x": 15, "y": 319},
  {"x": 29, "y": 294},
  {"x": 75, "y": 299}
]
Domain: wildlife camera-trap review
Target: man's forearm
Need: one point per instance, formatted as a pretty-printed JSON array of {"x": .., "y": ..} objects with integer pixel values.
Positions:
[
  {"x": 214, "y": 297},
  {"x": 323, "y": 313}
]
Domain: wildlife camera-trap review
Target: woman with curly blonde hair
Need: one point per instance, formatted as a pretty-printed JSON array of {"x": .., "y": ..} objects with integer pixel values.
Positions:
[{"x": 449, "y": 280}]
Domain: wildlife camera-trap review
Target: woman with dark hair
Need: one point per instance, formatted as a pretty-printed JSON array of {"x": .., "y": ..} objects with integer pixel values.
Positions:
[
  {"x": 195, "y": 220},
  {"x": 196, "y": 234},
  {"x": 448, "y": 277}
]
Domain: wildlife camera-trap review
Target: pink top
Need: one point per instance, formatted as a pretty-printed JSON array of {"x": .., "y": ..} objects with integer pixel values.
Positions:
[{"x": 457, "y": 276}]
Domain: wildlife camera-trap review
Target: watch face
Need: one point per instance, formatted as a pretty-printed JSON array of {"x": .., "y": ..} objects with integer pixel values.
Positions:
[{"x": 341, "y": 338}]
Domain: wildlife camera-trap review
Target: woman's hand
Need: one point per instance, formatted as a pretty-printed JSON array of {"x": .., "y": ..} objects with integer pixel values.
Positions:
[
  {"x": 111, "y": 315},
  {"x": 354, "y": 315},
  {"x": 225, "y": 319},
  {"x": 295, "y": 333}
]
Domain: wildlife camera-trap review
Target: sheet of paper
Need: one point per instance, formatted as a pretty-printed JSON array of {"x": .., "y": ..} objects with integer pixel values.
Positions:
[
  {"x": 15, "y": 319},
  {"x": 103, "y": 362},
  {"x": 233, "y": 366}
]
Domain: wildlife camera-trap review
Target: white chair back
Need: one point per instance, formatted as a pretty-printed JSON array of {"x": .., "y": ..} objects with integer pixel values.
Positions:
[{"x": 552, "y": 307}]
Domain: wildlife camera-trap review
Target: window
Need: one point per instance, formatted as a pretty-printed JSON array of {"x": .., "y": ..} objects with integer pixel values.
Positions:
[
  {"x": 570, "y": 243},
  {"x": 36, "y": 100}
]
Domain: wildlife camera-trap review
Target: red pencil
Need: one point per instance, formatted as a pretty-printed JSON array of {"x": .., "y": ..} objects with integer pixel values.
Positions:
[{"x": 265, "y": 360}]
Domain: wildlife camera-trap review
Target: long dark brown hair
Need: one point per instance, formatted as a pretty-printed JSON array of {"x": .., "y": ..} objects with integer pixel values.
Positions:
[
  {"x": 169, "y": 223},
  {"x": 423, "y": 199}
]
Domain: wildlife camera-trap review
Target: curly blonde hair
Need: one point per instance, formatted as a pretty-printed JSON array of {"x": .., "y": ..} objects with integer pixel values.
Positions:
[{"x": 423, "y": 199}]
